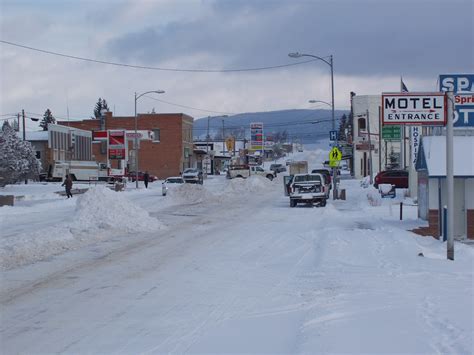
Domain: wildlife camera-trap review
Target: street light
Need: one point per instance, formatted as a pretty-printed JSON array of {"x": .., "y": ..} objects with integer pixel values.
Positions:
[
  {"x": 316, "y": 101},
  {"x": 136, "y": 130},
  {"x": 331, "y": 65}
]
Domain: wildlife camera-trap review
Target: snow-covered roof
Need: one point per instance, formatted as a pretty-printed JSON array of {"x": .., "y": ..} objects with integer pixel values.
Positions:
[
  {"x": 433, "y": 156},
  {"x": 34, "y": 135}
]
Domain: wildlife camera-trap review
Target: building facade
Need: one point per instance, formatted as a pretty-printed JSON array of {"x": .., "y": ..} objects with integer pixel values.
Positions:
[
  {"x": 432, "y": 188},
  {"x": 60, "y": 143},
  {"x": 167, "y": 153}
]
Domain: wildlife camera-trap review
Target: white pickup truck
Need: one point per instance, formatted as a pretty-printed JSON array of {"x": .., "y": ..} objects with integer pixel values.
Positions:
[
  {"x": 244, "y": 171},
  {"x": 306, "y": 188}
]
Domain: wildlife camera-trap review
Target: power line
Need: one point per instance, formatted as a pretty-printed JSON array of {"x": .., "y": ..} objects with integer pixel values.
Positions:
[
  {"x": 192, "y": 108},
  {"x": 153, "y": 68}
]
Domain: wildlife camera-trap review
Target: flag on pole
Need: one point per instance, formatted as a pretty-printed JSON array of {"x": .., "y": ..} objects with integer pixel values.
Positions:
[{"x": 403, "y": 87}]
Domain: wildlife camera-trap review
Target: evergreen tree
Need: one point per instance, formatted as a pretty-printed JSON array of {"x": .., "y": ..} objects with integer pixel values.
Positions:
[
  {"x": 47, "y": 119},
  {"x": 99, "y": 106},
  {"x": 342, "y": 128},
  {"x": 17, "y": 158}
]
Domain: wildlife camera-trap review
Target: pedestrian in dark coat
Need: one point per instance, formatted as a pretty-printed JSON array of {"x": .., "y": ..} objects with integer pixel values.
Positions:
[
  {"x": 68, "y": 185},
  {"x": 146, "y": 178}
]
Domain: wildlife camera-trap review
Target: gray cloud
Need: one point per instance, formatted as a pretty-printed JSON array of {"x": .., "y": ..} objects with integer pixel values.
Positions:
[{"x": 366, "y": 37}]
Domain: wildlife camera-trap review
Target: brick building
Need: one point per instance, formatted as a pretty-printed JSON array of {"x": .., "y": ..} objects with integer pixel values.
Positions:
[{"x": 166, "y": 154}]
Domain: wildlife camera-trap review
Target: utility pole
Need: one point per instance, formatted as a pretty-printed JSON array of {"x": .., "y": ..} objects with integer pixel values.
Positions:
[
  {"x": 24, "y": 133},
  {"x": 370, "y": 149},
  {"x": 223, "y": 137},
  {"x": 207, "y": 145},
  {"x": 23, "y": 117}
]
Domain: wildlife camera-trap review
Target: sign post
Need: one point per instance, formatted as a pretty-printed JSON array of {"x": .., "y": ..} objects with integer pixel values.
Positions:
[
  {"x": 427, "y": 109},
  {"x": 450, "y": 175},
  {"x": 335, "y": 157}
]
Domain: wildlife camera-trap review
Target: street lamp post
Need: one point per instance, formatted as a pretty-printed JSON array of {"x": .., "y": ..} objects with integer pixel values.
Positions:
[
  {"x": 316, "y": 101},
  {"x": 331, "y": 65},
  {"x": 136, "y": 130}
]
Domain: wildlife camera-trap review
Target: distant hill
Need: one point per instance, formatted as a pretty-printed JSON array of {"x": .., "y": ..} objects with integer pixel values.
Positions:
[{"x": 305, "y": 126}]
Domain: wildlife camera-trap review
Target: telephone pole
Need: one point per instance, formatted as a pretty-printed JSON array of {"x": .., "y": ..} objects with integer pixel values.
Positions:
[
  {"x": 24, "y": 134},
  {"x": 23, "y": 116}
]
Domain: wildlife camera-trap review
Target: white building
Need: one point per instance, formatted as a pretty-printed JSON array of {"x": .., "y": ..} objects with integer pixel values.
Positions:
[
  {"x": 365, "y": 109},
  {"x": 432, "y": 189}
]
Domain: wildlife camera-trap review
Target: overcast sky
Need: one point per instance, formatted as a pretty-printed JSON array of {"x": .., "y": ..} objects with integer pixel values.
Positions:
[{"x": 374, "y": 43}]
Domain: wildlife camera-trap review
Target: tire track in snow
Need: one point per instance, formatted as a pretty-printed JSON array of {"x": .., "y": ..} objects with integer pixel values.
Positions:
[{"x": 447, "y": 336}]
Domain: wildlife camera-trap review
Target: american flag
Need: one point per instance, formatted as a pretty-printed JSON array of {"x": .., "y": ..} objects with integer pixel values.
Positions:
[{"x": 403, "y": 87}]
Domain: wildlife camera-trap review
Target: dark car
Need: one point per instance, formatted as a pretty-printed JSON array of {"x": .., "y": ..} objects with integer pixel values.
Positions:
[
  {"x": 133, "y": 175},
  {"x": 398, "y": 178},
  {"x": 325, "y": 172},
  {"x": 277, "y": 168}
]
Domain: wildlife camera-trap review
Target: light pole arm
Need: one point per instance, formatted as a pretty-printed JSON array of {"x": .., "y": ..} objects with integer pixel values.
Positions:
[{"x": 315, "y": 56}]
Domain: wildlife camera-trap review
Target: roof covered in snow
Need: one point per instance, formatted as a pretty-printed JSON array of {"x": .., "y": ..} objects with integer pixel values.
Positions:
[
  {"x": 433, "y": 156},
  {"x": 34, "y": 135}
]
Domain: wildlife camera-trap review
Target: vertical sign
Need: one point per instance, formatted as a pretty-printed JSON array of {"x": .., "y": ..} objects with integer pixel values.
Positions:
[
  {"x": 116, "y": 145},
  {"x": 463, "y": 87},
  {"x": 415, "y": 133},
  {"x": 256, "y": 136}
]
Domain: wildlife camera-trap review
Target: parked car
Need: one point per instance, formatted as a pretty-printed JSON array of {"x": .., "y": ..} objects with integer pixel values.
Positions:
[
  {"x": 131, "y": 176},
  {"x": 327, "y": 178},
  {"x": 306, "y": 188},
  {"x": 288, "y": 162},
  {"x": 244, "y": 171},
  {"x": 398, "y": 178},
  {"x": 193, "y": 176},
  {"x": 277, "y": 168},
  {"x": 169, "y": 182}
]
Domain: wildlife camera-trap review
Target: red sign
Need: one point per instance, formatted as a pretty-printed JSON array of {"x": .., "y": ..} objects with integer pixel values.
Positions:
[
  {"x": 99, "y": 135},
  {"x": 117, "y": 154},
  {"x": 116, "y": 146},
  {"x": 364, "y": 146},
  {"x": 116, "y": 138}
]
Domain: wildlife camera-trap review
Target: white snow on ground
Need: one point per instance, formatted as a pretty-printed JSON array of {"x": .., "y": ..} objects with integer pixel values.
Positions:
[
  {"x": 96, "y": 215},
  {"x": 235, "y": 271},
  {"x": 101, "y": 208}
]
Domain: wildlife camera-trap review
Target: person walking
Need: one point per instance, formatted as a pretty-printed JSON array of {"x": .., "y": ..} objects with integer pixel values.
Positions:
[
  {"x": 146, "y": 178},
  {"x": 68, "y": 185}
]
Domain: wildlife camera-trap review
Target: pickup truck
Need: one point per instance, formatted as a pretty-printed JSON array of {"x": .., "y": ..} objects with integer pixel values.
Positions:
[
  {"x": 306, "y": 188},
  {"x": 244, "y": 171}
]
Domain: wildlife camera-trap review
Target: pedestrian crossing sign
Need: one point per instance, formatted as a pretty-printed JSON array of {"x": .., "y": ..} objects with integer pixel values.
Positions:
[{"x": 335, "y": 157}]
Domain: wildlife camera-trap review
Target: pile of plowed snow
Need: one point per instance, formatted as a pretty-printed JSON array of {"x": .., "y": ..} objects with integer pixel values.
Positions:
[
  {"x": 99, "y": 214},
  {"x": 191, "y": 193},
  {"x": 253, "y": 184},
  {"x": 101, "y": 207}
]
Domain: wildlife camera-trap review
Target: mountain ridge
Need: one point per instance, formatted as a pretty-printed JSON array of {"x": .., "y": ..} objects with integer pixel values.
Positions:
[{"x": 303, "y": 125}]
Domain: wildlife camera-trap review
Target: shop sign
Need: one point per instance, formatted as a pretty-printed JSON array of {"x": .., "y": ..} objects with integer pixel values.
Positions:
[{"x": 414, "y": 109}]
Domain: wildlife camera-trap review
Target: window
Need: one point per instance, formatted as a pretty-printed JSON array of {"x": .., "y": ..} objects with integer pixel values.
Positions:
[{"x": 156, "y": 135}]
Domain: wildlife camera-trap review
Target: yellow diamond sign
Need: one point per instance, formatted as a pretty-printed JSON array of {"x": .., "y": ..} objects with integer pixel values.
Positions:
[{"x": 335, "y": 157}]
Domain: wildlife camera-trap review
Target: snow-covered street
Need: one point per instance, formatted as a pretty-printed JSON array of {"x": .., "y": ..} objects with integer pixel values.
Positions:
[{"x": 226, "y": 267}]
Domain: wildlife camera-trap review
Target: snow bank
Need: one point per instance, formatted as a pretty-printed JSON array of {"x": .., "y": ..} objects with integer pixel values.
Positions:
[
  {"x": 101, "y": 207},
  {"x": 190, "y": 193},
  {"x": 99, "y": 214},
  {"x": 253, "y": 184}
]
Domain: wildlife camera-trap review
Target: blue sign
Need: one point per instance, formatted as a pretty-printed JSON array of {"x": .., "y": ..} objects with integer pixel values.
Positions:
[
  {"x": 459, "y": 83},
  {"x": 463, "y": 87},
  {"x": 333, "y": 135}
]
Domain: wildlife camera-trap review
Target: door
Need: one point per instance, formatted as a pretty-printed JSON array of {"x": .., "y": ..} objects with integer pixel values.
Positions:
[
  {"x": 459, "y": 208},
  {"x": 286, "y": 183}
]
